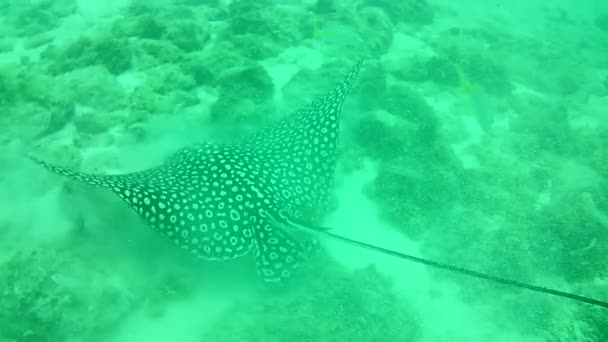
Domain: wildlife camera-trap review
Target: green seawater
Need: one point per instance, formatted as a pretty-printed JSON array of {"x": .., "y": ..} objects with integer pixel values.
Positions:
[{"x": 475, "y": 135}]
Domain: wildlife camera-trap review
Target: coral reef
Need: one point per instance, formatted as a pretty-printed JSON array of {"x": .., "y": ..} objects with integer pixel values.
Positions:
[
  {"x": 34, "y": 17},
  {"x": 283, "y": 25},
  {"x": 253, "y": 47},
  {"x": 573, "y": 228},
  {"x": 32, "y": 97},
  {"x": 189, "y": 36},
  {"x": 194, "y": 66},
  {"x": 460, "y": 59},
  {"x": 221, "y": 58},
  {"x": 144, "y": 99},
  {"x": 438, "y": 69},
  {"x": 406, "y": 11},
  {"x": 416, "y": 163},
  {"x": 110, "y": 52},
  {"x": 151, "y": 53},
  {"x": 481, "y": 69},
  {"x": 406, "y": 103},
  {"x": 297, "y": 91},
  {"x": 532, "y": 206},
  {"x": 378, "y": 138},
  {"x": 582, "y": 324},
  {"x": 48, "y": 296},
  {"x": 371, "y": 90},
  {"x": 407, "y": 188},
  {"x": 259, "y": 31},
  {"x": 184, "y": 28},
  {"x": 375, "y": 26},
  {"x": 602, "y": 22},
  {"x": 241, "y": 94},
  {"x": 533, "y": 133},
  {"x": 168, "y": 78},
  {"x": 327, "y": 308},
  {"x": 93, "y": 87}
]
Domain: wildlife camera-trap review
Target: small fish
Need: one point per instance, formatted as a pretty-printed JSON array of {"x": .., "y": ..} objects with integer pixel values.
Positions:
[
  {"x": 477, "y": 100},
  {"x": 213, "y": 200}
]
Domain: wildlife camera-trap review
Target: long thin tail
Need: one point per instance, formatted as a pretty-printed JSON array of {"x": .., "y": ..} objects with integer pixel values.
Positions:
[{"x": 286, "y": 223}]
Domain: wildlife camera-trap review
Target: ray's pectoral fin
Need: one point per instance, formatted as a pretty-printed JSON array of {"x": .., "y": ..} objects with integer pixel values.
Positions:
[
  {"x": 105, "y": 181},
  {"x": 278, "y": 253},
  {"x": 121, "y": 185}
]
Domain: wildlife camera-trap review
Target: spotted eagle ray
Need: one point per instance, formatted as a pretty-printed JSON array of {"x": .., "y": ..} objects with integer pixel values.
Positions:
[
  {"x": 212, "y": 199},
  {"x": 224, "y": 201}
]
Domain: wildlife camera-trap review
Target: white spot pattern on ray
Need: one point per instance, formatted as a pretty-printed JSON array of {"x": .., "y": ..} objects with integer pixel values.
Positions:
[{"x": 211, "y": 199}]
